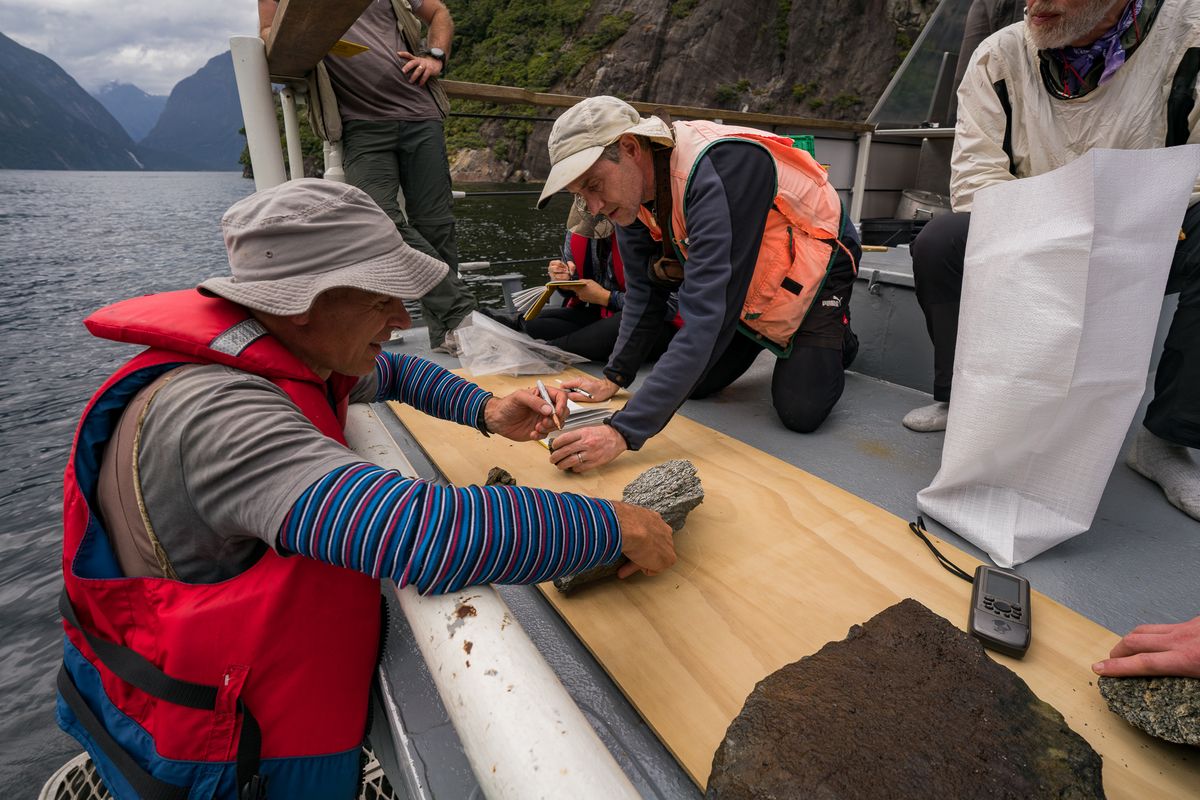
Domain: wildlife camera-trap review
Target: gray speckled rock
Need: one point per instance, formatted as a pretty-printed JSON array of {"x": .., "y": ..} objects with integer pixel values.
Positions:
[
  {"x": 1168, "y": 708},
  {"x": 672, "y": 489},
  {"x": 906, "y": 706}
]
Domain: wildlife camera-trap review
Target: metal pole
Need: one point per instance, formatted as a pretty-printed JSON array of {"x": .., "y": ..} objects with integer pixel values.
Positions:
[
  {"x": 858, "y": 189},
  {"x": 291, "y": 131},
  {"x": 521, "y": 731},
  {"x": 258, "y": 110}
]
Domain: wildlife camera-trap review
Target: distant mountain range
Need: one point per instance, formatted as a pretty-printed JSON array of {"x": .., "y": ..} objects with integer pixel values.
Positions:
[
  {"x": 134, "y": 109},
  {"x": 48, "y": 121},
  {"x": 202, "y": 118}
]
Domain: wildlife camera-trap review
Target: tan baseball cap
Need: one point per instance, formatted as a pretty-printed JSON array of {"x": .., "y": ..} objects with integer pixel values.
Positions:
[{"x": 580, "y": 135}]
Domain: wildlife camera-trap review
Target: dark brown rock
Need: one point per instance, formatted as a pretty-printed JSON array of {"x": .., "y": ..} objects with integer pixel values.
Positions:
[
  {"x": 671, "y": 488},
  {"x": 499, "y": 476},
  {"x": 1168, "y": 708},
  {"x": 906, "y": 706}
]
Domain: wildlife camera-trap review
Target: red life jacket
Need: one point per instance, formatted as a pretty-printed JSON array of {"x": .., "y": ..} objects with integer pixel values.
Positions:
[
  {"x": 581, "y": 254},
  {"x": 291, "y": 642},
  {"x": 581, "y": 250}
]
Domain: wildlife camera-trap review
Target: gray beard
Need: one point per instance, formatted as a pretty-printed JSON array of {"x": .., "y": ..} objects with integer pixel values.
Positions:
[{"x": 1069, "y": 28}]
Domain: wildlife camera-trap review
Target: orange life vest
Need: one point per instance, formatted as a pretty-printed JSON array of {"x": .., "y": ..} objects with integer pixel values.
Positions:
[{"x": 800, "y": 238}]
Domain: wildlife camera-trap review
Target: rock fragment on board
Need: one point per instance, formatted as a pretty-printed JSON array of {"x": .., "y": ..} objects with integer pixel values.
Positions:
[
  {"x": 1168, "y": 708},
  {"x": 907, "y": 705},
  {"x": 499, "y": 476},
  {"x": 672, "y": 489}
]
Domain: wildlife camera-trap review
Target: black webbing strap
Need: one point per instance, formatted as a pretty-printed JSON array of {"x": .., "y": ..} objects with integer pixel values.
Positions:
[
  {"x": 666, "y": 270},
  {"x": 1001, "y": 89},
  {"x": 133, "y": 668},
  {"x": 1181, "y": 99},
  {"x": 662, "y": 198},
  {"x": 146, "y": 785}
]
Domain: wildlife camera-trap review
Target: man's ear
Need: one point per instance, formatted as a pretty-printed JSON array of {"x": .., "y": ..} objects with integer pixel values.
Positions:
[
  {"x": 630, "y": 146},
  {"x": 299, "y": 320}
]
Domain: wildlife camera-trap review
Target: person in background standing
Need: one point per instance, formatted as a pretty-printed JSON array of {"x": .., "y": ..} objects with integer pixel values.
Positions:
[{"x": 386, "y": 107}]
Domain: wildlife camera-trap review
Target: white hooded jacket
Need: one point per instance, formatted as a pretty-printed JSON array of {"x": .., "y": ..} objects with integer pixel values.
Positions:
[{"x": 1129, "y": 112}]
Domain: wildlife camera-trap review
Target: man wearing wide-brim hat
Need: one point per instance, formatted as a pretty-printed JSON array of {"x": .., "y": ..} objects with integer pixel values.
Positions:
[
  {"x": 750, "y": 233},
  {"x": 222, "y": 545}
]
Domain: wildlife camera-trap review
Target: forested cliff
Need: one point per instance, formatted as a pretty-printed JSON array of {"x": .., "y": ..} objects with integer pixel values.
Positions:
[{"x": 817, "y": 58}]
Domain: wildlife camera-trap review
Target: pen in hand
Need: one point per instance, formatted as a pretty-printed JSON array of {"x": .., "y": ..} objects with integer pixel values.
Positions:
[{"x": 546, "y": 396}]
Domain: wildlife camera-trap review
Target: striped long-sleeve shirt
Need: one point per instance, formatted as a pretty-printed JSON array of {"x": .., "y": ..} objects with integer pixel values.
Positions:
[{"x": 442, "y": 538}]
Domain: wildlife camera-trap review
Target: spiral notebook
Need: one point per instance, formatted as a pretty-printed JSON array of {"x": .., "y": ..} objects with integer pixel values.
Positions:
[{"x": 530, "y": 302}]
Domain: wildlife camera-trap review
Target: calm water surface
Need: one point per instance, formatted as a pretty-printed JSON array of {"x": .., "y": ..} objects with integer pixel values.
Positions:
[{"x": 71, "y": 242}]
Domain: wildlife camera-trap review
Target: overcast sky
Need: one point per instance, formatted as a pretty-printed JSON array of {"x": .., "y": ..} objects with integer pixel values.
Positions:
[{"x": 153, "y": 45}]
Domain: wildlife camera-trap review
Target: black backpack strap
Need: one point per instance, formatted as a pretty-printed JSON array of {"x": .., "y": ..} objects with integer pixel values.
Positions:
[
  {"x": 1182, "y": 97},
  {"x": 136, "y": 670},
  {"x": 1001, "y": 89}
]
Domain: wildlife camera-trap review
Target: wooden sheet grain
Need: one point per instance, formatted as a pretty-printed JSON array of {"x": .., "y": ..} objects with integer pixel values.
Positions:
[{"x": 774, "y": 564}]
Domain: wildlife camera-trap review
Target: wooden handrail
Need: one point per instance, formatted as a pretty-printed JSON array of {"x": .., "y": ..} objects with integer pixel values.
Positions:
[
  {"x": 305, "y": 30},
  {"x": 512, "y": 95}
]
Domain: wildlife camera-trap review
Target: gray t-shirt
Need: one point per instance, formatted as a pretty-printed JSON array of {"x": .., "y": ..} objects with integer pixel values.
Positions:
[
  {"x": 224, "y": 456},
  {"x": 370, "y": 85}
]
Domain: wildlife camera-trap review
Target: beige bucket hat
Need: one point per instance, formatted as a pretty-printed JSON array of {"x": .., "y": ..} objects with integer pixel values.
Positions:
[
  {"x": 580, "y": 135},
  {"x": 591, "y": 226},
  {"x": 290, "y": 243}
]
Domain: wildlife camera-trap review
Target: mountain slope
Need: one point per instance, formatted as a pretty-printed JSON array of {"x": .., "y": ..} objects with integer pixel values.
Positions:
[
  {"x": 202, "y": 118},
  {"x": 134, "y": 109},
  {"x": 47, "y": 120}
]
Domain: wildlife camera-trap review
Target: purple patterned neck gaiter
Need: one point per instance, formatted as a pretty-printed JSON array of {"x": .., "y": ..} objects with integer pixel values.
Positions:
[{"x": 1079, "y": 61}]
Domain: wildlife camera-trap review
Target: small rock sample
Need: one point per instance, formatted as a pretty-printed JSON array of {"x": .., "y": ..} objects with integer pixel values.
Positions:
[
  {"x": 1168, "y": 708},
  {"x": 907, "y": 705},
  {"x": 672, "y": 489},
  {"x": 499, "y": 476}
]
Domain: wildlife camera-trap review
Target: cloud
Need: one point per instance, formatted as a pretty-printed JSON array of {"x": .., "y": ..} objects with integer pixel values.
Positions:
[{"x": 153, "y": 45}]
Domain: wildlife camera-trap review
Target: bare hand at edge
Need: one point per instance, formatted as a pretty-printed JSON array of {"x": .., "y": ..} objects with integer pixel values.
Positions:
[
  {"x": 1155, "y": 650},
  {"x": 646, "y": 540}
]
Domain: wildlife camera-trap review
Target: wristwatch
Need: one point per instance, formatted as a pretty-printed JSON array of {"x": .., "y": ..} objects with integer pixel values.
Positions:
[{"x": 439, "y": 54}]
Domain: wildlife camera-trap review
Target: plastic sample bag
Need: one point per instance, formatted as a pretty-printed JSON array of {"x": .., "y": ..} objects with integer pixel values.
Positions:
[
  {"x": 492, "y": 348},
  {"x": 1062, "y": 286}
]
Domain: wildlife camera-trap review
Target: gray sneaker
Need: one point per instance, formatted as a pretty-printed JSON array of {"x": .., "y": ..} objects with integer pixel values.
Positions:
[
  {"x": 449, "y": 346},
  {"x": 927, "y": 418}
]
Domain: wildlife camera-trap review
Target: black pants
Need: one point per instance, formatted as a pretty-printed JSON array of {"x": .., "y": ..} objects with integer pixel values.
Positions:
[
  {"x": 804, "y": 387},
  {"x": 581, "y": 330},
  {"x": 807, "y": 384},
  {"x": 1174, "y": 414}
]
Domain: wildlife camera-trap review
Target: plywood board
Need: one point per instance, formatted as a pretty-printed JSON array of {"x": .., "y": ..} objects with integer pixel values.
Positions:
[{"x": 774, "y": 564}]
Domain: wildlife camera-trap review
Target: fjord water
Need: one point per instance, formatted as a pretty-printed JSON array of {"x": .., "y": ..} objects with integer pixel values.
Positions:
[{"x": 71, "y": 242}]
